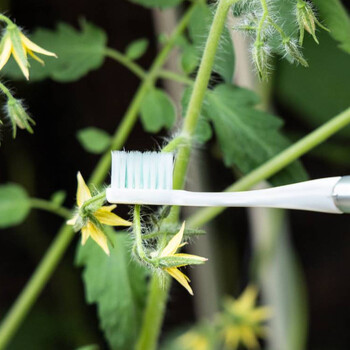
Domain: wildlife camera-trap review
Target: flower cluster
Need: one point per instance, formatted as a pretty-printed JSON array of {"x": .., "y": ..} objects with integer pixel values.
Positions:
[
  {"x": 169, "y": 260},
  {"x": 240, "y": 322},
  {"x": 16, "y": 43},
  {"x": 261, "y": 20},
  {"x": 91, "y": 216}
]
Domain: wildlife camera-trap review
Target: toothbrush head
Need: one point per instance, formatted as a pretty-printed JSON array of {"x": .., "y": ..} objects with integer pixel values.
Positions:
[{"x": 142, "y": 170}]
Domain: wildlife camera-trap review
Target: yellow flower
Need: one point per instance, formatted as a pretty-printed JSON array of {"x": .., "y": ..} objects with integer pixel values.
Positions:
[
  {"x": 193, "y": 340},
  {"x": 182, "y": 259},
  {"x": 103, "y": 215},
  {"x": 242, "y": 321},
  {"x": 15, "y": 42}
]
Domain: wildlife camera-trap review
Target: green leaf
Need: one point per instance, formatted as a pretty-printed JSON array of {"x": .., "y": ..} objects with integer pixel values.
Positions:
[
  {"x": 157, "y": 3},
  {"x": 198, "y": 28},
  {"x": 189, "y": 59},
  {"x": 94, "y": 140},
  {"x": 136, "y": 49},
  {"x": 337, "y": 20},
  {"x": 117, "y": 284},
  {"x": 14, "y": 205},
  {"x": 78, "y": 53},
  {"x": 320, "y": 92},
  {"x": 157, "y": 111},
  {"x": 248, "y": 137},
  {"x": 58, "y": 197}
]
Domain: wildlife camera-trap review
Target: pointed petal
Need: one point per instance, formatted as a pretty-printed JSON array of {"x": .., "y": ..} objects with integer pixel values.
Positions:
[
  {"x": 34, "y": 47},
  {"x": 36, "y": 57},
  {"x": 180, "y": 277},
  {"x": 232, "y": 337},
  {"x": 98, "y": 236},
  {"x": 190, "y": 256},
  {"x": 108, "y": 208},
  {"x": 5, "y": 51},
  {"x": 174, "y": 243},
  {"x": 83, "y": 192},
  {"x": 84, "y": 234},
  {"x": 23, "y": 65},
  {"x": 111, "y": 219},
  {"x": 249, "y": 338},
  {"x": 247, "y": 300},
  {"x": 260, "y": 314},
  {"x": 73, "y": 220}
]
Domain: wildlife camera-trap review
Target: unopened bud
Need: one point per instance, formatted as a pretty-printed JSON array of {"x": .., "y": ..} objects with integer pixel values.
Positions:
[
  {"x": 18, "y": 116},
  {"x": 307, "y": 20},
  {"x": 292, "y": 50},
  {"x": 260, "y": 56}
]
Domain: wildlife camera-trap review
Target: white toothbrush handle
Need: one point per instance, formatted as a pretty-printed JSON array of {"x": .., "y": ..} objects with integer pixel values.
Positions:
[{"x": 315, "y": 195}]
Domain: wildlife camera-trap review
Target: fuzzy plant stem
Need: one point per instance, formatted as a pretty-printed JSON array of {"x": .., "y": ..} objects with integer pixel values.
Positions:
[
  {"x": 53, "y": 255},
  {"x": 276, "y": 164},
  {"x": 158, "y": 294}
]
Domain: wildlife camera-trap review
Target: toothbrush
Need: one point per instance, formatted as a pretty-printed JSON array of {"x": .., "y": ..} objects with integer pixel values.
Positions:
[{"x": 147, "y": 178}]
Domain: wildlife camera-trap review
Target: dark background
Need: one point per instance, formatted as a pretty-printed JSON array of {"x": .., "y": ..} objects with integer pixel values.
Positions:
[{"x": 49, "y": 160}]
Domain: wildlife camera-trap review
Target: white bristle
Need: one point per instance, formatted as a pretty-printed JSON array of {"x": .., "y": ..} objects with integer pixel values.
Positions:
[{"x": 137, "y": 170}]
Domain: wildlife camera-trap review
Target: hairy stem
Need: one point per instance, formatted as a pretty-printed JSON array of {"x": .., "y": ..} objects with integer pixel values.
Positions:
[
  {"x": 158, "y": 294},
  {"x": 43, "y": 272},
  {"x": 276, "y": 164}
]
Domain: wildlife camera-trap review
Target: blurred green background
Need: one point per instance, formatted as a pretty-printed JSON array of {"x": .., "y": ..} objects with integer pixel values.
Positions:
[{"x": 49, "y": 160}]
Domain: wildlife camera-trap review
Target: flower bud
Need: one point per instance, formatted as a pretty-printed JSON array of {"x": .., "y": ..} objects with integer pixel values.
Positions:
[
  {"x": 178, "y": 260},
  {"x": 260, "y": 56},
  {"x": 18, "y": 116},
  {"x": 292, "y": 50},
  {"x": 307, "y": 20}
]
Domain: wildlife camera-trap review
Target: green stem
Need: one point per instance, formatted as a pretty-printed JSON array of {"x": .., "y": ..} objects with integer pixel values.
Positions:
[
  {"x": 6, "y": 91},
  {"x": 167, "y": 74},
  {"x": 157, "y": 297},
  {"x": 197, "y": 97},
  {"x": 153, "y": 316},
  {"x": 126, "y": 61},
  {"x": 37, "y": 282},
  {"x": 138, "y": 233},
  {"x": 43, "y": 204},
  {"x": 276, "y": 164},
  {"x": 124, "y": 129},
  {"x": 6, "y": 19},
  {"x": 54, "y": 254}
]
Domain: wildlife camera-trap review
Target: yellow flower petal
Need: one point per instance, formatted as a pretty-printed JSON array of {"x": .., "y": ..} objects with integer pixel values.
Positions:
[
  {"x": 259, "y": 314},
  {"x": 98, "y": 236},
  {"x": 22, "y": 65},
  {"x": 174, "y": 243},
  {"x": 111, "y": 219},
  {"x": 36, "y": 57},
  {"x": 248, "y": 338},
  {"x": 108, "y": 208},
  {"x": 83, "y": 192},
  {"x": 180, "y": 277},
  {"x": 232, "y": 337},
  {"x": 5, "y": 51},
  {"x": 34, "y": 47},
  {"x": 247, "y": 300},
  {"x": 85, "y": 234}
]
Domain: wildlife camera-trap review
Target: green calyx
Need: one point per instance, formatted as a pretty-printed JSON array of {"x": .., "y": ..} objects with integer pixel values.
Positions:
[{"x": 18, "y": 116}]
